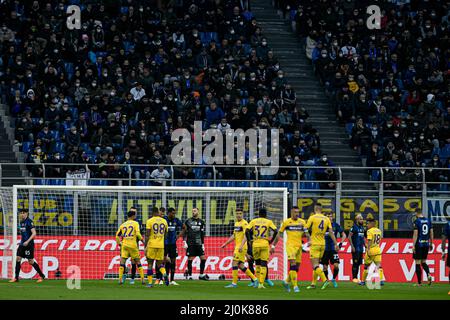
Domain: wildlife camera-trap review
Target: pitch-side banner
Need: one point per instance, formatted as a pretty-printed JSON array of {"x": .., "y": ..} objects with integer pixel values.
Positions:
[{"x": 98, "y": 258}]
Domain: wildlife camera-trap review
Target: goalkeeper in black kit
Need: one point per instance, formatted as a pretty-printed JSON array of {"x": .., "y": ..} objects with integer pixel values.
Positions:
[{"x": 193, "y": 234}]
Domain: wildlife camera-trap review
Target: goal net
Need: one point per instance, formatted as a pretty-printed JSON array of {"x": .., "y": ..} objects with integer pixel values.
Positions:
[{"x": 76, "y": 225}]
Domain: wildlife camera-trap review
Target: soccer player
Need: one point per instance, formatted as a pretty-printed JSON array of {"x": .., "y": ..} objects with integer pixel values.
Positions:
[
  {"x": 170, "y": 246},
  {"x": 261, "y": 227},
  {"x": 193, "y": 234},
  {"x": 239, "y": 254},
  {"x": 159, "y": 277},
  {"x": 356, "y": 239},
  {"x": 330, "y": 256},
  {"x": 133, "y": 263},
  {"x": 154, "y": 245},
  {"x": 318, "y": 225},
  {"x": 127, "y": 237},
  {"x": 251, "y": 261},
  {"x": 26, "y": 246},
  {"x": 373, "y": 253},
  {"x": 423, "y": 241},
  {"x": 446, "y": 236},
  {"x": 294, "y": 227}
]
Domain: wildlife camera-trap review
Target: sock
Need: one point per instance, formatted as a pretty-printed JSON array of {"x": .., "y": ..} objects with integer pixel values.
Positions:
[
  {"x": 288, "y": 278},
  {"x": 365, "y": 274},
  {"x": 262, "y": 275},
  {"x": 249, "y": 274},
  {"x": 355, "y": 270},
  {"x": 150, "y": 275},
  {"x": 419, "y": 273},
  {"x": 321, "y": 274},
  {"x": 258, "y": 272},
  {"x": 190, "y": 267},
  {"x": 381, "y": 274},
  {"x": 235, "y": 275},
  {"x": 267, "y": 273},
  {"x": 335, "y": 273},
  {"x": 426, "y": 269},
  {"x": 133, "y": 271},
  {"x": 202, "y": 266},
  {"x": 314, "y": 278},
  {"x": 293, "y": 276},
  {"x": 141, "y": 271},
  {"x": 250, "y": 266},
  {"x": 163, "y": 271},
  {"x": 38, "y": 270},
  {"x": 173, "y": 266},
  {"x": 325, "y": 271},
  {"x": 121, "y": 271},
  {"x": 157, "y": 272},
  {"x": 17, "y": 269}
]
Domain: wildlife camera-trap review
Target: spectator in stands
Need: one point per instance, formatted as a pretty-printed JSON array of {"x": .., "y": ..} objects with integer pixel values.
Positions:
[{"x": 160, "y": 175}]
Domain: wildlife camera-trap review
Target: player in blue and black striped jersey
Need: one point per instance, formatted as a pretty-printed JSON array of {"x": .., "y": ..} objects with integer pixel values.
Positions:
[
  {"x": 356, "y": 238},
  {"x": 170, "y": 246},
  {"x": 423, "y": 242},
  {"x": 26, "y": 246},
  {"x": 445, "y": 237},
  {"x": 330, "y": 256}
]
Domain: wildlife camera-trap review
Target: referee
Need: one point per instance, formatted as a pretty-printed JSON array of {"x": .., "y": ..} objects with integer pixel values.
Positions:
[
  {"x": 26, "y": 246},
  {"x": 193, "y": 234}
]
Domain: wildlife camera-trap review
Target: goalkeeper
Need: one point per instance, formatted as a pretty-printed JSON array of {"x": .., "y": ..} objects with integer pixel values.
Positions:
[{"x": 193, "y": 234}]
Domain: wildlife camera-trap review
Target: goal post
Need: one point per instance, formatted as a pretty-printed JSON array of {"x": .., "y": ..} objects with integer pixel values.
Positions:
[{"x": 76, "y": 225}]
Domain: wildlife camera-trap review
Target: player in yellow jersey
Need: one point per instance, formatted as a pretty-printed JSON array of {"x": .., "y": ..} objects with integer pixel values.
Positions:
[
  {"x": 154, "y": 245},
  {"x": 294, "y": 228},
  {"x": 127, "y": 237},
  {"x": 238, "y": 255},
  {"x": 260, "y": 227},
  {"x": 318, "y": 225},
  {"x": 373, "y": 250}
]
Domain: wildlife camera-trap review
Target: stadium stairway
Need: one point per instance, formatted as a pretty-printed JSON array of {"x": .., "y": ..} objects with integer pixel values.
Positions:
[
  {"x": 9, "y": 153},
  {"x": 310, "y": 94}
]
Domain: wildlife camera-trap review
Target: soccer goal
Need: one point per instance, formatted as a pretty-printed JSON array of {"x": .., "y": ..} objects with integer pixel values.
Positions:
[{"x": 76, "y": 225}]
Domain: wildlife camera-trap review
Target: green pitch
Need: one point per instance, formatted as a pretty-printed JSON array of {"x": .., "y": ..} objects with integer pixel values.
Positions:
[{"x": 213, "y": 290}]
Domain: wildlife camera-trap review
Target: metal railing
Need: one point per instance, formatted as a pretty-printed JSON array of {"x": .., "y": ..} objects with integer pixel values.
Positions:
[{"x": 367, "y": 190}]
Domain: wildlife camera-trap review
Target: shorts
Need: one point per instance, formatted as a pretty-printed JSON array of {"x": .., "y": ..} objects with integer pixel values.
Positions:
[
  {"x": 171, "y": 251},
  {"x": 261, "y": 253},
  {"x": 421, "y": 253},
  {"x": 357, "y": 257},
  {"x": 294, "y": 253},
  {"x": 316, "y": 251},
  {"x": 129, "y": 252},
  {"x": 368, "y": 259},
  {"x": 195, "y": 251},
  {"x": 26, "y": 252},
  {"x": 329, "y": 257},
  {"x": 239, "y": 256},
  {"x": 155, "y": 254}
]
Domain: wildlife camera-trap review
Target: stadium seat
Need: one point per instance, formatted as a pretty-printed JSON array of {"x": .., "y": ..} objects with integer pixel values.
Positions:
[
  {"x": 85, "y": 147},
  {"x": 60, "y": 147},
  {"x": 349, "y": 127},
  {"x": 55, "y": 135},
  {"x": 26, "y": 147}
]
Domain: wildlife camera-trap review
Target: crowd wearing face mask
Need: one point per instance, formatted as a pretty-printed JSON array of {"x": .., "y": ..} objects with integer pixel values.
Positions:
[
  {"x": 113, "y": 91},
  {"x": 389, "y": 87}
]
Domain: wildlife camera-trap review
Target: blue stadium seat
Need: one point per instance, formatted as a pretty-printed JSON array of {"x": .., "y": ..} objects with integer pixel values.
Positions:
[
  {"x": 55, "y": 135},
  {"x": 60, "y": 147},
  {"x": 444, "y": 153},
  {"x": 26, "y": 147},
  {"x": 349, "y": 127},
  {"x": 85, "y": 146}
]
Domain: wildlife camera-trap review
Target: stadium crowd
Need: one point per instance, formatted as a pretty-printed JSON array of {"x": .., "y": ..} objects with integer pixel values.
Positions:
[
  {"x": 112, "y": 92},
  {"x": 389, "y": 86}
]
